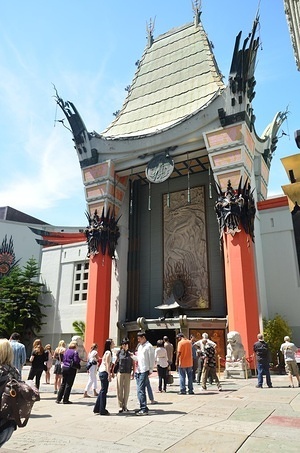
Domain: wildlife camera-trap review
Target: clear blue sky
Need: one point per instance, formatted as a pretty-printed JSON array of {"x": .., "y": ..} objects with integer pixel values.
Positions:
[{"x": 88, "y": 49}]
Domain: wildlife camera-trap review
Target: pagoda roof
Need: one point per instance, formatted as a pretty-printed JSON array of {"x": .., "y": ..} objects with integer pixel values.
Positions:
[{"x": 177, "y": 76}]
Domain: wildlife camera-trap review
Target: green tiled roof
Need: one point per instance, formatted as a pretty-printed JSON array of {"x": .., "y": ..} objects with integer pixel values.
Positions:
[{"x": 177, "y": 76}]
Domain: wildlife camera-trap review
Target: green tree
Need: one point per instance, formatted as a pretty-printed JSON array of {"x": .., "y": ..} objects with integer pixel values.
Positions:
[
  {"x": 21, "y": 309},
  {"x": 274, "y": 332},
  {"x": 79, "y": 328}
]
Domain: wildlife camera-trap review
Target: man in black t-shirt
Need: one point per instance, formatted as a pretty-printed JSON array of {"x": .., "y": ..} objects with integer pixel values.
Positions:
[{"x": 262, "y": 352}]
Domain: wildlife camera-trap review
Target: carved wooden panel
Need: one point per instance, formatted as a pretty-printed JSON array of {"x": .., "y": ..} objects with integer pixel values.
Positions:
[{"x": 216, "y": 335}]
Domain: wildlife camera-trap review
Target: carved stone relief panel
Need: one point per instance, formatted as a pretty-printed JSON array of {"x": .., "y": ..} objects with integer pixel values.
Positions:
[{"x": 185, "y": 248}]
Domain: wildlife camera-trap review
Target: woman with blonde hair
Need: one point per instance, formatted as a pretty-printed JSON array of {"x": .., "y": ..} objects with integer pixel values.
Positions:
[
  {"x": 48, "y": 363},
  {"x": 7, "y": 371},
  {"x": 38, "y": 358},
  {"x": 58, "y": 357},
  {"x": 70, "y": 365},
  {"x": 92, "y": 363}
]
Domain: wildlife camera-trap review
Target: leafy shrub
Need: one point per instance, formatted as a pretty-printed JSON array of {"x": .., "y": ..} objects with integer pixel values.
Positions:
[{"x": 274, "y": 332}]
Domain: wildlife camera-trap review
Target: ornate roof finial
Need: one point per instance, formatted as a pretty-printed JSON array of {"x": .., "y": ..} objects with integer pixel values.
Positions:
[
  {"x": 197, "y": 10},
  {"x": 150, "y": 29}
]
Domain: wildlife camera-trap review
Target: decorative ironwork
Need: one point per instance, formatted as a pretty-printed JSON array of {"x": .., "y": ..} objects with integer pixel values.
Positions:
[
  {"x": 102, "y": 234},
  {"x": 235, "y": 208},
  {"x": 7, "y": 257}
]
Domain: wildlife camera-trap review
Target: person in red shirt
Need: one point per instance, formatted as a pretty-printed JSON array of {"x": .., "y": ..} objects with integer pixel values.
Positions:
[{"x": 184, "y": 363}]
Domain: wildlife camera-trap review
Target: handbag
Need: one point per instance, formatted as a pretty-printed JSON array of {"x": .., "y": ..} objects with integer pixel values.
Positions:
[
  {"x": 90, "y": 363},
  {"x": 170, "y": 379},
  {"x": 74, "y": 365},
  {"x": 57, "y": 367},
  {"x": 17, "y": 400}
]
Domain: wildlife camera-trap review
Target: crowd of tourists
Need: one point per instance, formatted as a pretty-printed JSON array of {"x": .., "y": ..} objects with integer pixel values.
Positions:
[{"x": 195, "y": 361}]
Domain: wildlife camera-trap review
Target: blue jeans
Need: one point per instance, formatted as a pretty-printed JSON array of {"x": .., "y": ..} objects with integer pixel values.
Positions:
[
  {"x": 100, "y": 405},
  {"x": 6, "y": 434},
  {"x": 182, "y": 373},
  {"x": 263, "y": 368},
  {"x": 141, "y": 383},
  {"x": 149, "y": 389}
]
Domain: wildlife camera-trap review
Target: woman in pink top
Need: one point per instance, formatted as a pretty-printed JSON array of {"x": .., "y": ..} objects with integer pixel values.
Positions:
[{"x": 161, "y": 361}]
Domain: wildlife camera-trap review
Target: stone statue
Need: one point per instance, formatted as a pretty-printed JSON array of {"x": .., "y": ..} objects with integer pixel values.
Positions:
[
  {"x": 80, "y": 349},
  {"x": 235, "y": 348},
  {"x": 236, "y": 364}
]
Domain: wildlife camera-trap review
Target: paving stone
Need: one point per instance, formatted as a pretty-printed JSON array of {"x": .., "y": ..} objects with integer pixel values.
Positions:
[
  {"x": 268, "y": 430},
  {"x": 255, "y": 445},
  {"x": 49, "y": 443},
  {"x": 214, "y": 411},
  {"x": 239, "y": 419},
  {"x": 153, "y": 436},
  {"x": 251, "y": 414},
  {"x": 207, "y": 442},
  {"x": 234, "y": 426}
]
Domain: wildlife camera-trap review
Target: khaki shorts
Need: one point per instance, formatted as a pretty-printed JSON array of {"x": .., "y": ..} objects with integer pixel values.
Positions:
[{"x": 291, "y": 367}]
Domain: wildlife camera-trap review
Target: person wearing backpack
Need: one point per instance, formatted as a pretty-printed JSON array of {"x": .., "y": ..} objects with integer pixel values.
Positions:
[
  {"x": 7, "y": 371},
  {"x": 262, "y": 352}
]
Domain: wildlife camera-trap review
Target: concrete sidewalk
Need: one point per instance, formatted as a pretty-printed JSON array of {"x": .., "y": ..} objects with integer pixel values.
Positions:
[{"x": 241, "y": 418}]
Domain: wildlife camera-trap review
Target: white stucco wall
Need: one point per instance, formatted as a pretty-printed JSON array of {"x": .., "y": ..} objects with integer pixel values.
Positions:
[
  {"x": 57, "y": 272},
  {"x": 281, "y": 267},
  {"x": 260, "y": 274},
  {"x": 25, "y": 245}
]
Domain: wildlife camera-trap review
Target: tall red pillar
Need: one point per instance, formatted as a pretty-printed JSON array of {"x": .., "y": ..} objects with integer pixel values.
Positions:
[
  {"x": 98, "y": 302},
  {"x": 241, "y": 287}
]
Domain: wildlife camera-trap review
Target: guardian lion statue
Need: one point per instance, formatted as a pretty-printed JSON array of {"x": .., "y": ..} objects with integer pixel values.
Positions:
[
  {"x": 235, "y": 348},
  {"x": 80, "y": 347}
]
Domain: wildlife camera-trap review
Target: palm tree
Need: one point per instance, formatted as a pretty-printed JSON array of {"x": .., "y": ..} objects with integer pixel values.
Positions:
[{"x": 79, "y": 328}]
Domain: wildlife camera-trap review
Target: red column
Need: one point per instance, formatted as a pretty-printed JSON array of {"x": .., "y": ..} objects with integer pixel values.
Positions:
[
  {"x": 98, "y": 302},
  {"x": 241, "y": 287}
]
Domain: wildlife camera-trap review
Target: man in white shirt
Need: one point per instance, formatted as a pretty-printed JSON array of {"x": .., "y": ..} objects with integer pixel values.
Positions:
[
  {"x": 145, "y": 364},
  {"x": 288, "y": 350},
  {"x": 200, "y": 343}
]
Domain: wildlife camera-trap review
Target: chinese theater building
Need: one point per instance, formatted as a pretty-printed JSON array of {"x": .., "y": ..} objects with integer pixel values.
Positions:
[{"x": 168, "y": 251}]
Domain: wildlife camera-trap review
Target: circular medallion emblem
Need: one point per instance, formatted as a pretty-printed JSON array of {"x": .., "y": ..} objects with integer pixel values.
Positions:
[{"x": 159, "y": 168}]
